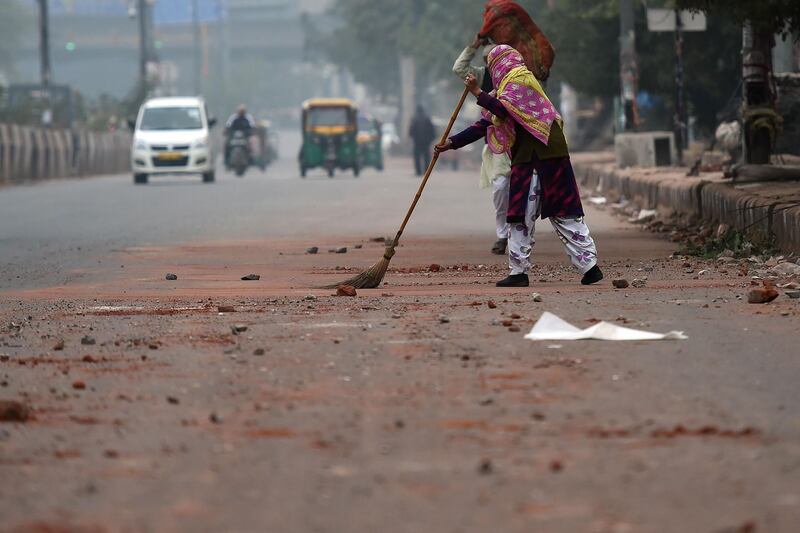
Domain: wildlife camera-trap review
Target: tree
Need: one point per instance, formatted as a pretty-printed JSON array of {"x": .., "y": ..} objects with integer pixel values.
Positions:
[
  {"x": 776, "y": 16},
  {"x": 585, "y": 34},
  {"x": 761, "y": 21},
  {"x": 375, "y": 33}
]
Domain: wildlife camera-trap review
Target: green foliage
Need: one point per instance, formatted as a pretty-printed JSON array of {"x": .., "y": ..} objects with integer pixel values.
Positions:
[
  {"x": 585, "y": 34},
  {"x": 776, "y": 16},
  {"x": 741, "y": 245}
]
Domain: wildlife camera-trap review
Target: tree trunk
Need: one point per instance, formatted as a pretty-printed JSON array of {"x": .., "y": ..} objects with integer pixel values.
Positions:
[{"x": 757, "y": 94}]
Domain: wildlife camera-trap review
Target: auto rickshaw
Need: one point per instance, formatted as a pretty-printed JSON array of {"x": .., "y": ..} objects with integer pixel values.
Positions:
[
  {"x": 329, "y": 135},
  {"x": 370, "y": 148}
]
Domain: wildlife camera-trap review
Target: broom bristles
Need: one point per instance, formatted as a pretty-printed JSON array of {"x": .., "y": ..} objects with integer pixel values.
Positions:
[{"x": 370, "y": 278}]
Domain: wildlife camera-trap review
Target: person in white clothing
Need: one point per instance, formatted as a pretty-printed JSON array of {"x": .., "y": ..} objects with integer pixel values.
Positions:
[{"x": 494, "y": 168}]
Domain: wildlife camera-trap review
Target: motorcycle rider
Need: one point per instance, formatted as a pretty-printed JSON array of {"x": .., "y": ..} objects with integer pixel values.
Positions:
[{"x": 239, "y": 121}]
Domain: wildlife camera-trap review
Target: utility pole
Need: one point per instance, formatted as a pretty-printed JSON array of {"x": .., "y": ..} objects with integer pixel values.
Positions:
[
  {"x": 225, "y": 50},
  {"x": 147, "y": 53},
  {"x": 680, "y": 101},
  {"x": 196, "y": 46},
  {"x": 44, "y": 60},
  {"x": 629, "y": 70},
  {"x": 144, "y": 48}
]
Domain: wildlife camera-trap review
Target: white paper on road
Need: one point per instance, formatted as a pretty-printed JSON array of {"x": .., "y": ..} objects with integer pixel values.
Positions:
[{"x": 552, "y": 328}]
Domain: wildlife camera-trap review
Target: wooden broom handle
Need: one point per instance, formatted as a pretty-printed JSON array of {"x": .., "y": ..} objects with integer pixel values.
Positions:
[{"x": 430, "y": 167}]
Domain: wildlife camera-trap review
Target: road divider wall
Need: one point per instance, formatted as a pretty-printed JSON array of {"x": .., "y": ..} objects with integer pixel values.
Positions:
[
  {"x": 757, "y": 214},
  {"x": 30, "y": 154}
]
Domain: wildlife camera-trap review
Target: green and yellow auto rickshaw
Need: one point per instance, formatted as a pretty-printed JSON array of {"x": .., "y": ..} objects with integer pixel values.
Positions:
[
  {"x": 329, "y": 136},
  {"x": 370, "y": 148}
]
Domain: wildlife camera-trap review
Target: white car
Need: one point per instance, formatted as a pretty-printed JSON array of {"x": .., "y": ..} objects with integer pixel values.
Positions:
[{"x": 171, "y": 136}]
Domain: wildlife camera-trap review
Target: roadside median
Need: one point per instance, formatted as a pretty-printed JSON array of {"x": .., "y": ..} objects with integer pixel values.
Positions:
[
  {"x": 29, "y": 154},
  {"x": 761, "y": 211}
]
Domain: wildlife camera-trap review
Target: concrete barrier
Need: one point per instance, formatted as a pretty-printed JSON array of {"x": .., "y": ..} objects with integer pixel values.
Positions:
[
  {"x": 762, "y": 217},
  {"x": 32, "y": 154}
]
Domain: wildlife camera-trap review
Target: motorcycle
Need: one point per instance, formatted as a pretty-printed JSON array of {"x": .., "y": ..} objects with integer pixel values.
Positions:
[{"x": 239, "y": 155}]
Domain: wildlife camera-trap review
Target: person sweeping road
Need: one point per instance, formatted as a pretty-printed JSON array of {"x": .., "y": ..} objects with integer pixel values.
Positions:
[
  {"x": 522, "y": 122},
  {"x": 495, "y": 168}
]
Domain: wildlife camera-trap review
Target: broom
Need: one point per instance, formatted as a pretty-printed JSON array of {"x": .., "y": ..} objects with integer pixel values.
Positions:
[{"x": 372, "y": 277}]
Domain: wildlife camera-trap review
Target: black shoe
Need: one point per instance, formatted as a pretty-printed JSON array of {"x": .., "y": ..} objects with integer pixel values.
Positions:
[
  {"x": 593, "y": 276},
  {"x": 499, "y": 247},
  {"x": 517, "y": 280}
]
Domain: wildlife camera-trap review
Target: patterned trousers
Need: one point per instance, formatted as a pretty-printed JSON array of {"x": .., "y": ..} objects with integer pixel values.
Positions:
[{"x": 573, "y": 232}]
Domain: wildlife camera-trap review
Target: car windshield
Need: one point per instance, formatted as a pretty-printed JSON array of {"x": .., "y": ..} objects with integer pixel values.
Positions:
[
  {"x": 329, "y": 116},
  {"x": 171, "y": 118}
]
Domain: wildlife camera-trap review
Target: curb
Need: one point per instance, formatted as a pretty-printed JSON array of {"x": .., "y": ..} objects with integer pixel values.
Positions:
[{"x": 756, "y": 216}]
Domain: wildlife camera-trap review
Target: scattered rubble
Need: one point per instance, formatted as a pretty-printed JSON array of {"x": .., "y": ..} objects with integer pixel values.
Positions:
[
  {"x": 346, "y": 290},
  {"x": 485, "y": 467},
  {"x": 639, "y": 283},
  {"x": 13, "y": 411},
  {"x": 705, "y": 431},
  {"x": 762, "y": 296}
]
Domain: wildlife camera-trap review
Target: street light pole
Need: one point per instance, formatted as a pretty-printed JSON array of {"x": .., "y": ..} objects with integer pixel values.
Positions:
[
  {"x": 44, "y": 59},
  {"x": 196, "y": 46},
  {"x": 143, "y": 46}
]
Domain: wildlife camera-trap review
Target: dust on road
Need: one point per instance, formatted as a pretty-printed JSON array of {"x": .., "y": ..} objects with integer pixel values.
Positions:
[{"x": 209, "y": 403}]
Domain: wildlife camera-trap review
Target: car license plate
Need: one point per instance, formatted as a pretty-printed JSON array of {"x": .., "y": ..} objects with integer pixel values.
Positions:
[{"x": 170, "y": 156}]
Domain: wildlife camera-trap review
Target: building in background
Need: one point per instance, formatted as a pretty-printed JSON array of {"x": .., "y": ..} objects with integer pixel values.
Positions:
[{"x": 251, "y": 51}]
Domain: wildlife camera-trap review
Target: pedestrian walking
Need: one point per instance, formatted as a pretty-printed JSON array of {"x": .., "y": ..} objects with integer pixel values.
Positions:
[
  {"x": 495, "y": 168},
  {"x": 522, "y": 122},
  {"x": 422, "y": 134}
]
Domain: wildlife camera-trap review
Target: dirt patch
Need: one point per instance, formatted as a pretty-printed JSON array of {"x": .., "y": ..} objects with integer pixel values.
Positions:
[{"x": 271, "y": 433}]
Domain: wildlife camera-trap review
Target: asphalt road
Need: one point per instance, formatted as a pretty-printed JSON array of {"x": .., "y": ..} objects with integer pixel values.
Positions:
[
  {"x": 50, "y": 229},
  {"x": 416, "y": 407}
]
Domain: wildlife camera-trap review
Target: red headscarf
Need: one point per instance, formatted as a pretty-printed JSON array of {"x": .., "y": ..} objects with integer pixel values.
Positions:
[{"x": 506, "y": 22}]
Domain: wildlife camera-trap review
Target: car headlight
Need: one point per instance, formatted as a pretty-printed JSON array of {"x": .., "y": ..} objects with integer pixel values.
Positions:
[
  {"x": 200, "y": 143},
  {"x": 141, "y": 145}
]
